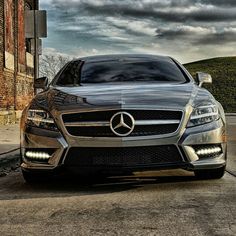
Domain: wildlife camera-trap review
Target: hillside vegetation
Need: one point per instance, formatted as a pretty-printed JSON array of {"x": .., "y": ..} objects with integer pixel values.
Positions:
[{"x": 223, "y": 72}]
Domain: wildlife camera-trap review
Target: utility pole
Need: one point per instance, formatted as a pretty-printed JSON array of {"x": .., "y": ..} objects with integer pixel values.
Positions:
[
  {"x": 36, "y": 44},
  {"x": 36, "y": 28},
  {"x": 36, "y": 54}
]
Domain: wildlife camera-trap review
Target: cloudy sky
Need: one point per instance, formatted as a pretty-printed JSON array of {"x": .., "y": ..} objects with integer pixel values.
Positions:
[{"x": 185, "y": 29}]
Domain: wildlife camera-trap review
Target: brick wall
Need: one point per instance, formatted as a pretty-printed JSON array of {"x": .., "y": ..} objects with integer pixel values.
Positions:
[
  {"x": 16, "y": 77},
  {"x": 1, "y": 39},
  {"x": 2, "y": 80},
  {"x": 24, "y": 91}
]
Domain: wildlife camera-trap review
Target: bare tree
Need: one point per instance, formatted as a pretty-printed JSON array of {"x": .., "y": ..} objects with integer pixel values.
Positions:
[{"x": 49, "y": 65}]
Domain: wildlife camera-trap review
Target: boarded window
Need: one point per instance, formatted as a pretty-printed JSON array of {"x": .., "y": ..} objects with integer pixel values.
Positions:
[
  {"x": 21, "y": 32},
  {"x": 9, "y": 38}
]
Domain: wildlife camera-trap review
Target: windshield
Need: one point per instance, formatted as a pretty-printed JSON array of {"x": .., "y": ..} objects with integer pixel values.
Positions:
[{"x": 121, "y": 71}]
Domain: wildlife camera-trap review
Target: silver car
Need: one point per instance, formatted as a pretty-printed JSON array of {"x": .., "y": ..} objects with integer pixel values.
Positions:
[{"x": 115, "y": 114}]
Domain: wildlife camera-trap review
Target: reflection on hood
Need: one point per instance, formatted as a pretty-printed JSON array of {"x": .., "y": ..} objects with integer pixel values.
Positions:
[{"x": 174, "y": 96}]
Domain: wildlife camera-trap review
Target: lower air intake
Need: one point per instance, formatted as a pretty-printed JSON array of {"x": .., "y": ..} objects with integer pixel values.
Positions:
[{"x": 123, "y": 156}]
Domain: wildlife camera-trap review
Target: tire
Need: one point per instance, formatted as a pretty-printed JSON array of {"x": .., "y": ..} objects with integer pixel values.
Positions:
[
  {"x": 210, "y": 173},
  {"x": 35, "y": 177}
]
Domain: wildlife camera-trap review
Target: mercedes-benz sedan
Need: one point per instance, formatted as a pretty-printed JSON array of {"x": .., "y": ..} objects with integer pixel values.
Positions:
[{"x": 115, "y": 114}]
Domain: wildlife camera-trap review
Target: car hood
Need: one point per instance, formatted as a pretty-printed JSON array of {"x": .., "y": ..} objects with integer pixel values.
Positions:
[{"x": 122, "y": 96}]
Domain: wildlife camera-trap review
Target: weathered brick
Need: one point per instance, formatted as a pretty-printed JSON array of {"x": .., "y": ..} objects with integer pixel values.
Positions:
[{"x": 16, "y": 81}]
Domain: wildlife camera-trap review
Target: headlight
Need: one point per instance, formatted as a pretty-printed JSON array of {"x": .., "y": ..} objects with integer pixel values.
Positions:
[
  {"x": 203, "y": 114},
  {"x": 40, "y": 119}
]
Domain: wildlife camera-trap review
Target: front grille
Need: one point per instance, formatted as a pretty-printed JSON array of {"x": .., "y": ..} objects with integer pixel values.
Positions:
[
  {"x": 89, "y": 129},
  {"x": 123, "y": 156}
]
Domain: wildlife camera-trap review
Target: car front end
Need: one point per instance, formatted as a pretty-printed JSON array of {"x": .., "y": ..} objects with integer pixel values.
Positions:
[{"x": 110, "y": 129}]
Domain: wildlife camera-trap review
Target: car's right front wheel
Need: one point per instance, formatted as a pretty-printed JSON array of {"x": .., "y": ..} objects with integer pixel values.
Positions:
[{"x": 210, "y": 173}]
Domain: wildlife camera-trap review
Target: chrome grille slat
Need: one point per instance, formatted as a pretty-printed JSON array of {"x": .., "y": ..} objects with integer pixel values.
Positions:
[
  {"x": 105, "y": 123},
  {"x": 156, "y": 122},
  {"x": 87, "y": 124}
]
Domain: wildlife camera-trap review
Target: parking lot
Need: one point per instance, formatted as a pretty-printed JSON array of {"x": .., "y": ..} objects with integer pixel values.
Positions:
[{"x": 152, "y": 203}]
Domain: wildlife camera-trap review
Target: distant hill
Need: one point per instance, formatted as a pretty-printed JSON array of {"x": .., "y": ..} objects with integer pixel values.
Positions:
[{"x": 223, "y": 72}]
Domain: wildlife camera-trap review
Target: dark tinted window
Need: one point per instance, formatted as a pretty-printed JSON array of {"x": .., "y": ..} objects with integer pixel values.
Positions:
[
  {"x": 70, "y": 76},
  {"x": 122, "y": 71}
]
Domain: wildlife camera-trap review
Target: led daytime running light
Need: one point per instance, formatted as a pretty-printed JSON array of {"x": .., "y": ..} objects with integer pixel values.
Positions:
[
  {"x": 41, "y": 120},
  {"x": 37, "y": 155},
  {"x": 203, "y": 116},
  {"x": 208, "y": 151}
]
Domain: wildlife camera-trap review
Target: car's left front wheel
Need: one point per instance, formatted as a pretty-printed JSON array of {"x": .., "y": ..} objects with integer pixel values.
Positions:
[{"x": 35, "y": 177}]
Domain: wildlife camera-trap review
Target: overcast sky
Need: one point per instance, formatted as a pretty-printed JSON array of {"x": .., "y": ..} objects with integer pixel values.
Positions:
[{"x": 185, "y": 29}]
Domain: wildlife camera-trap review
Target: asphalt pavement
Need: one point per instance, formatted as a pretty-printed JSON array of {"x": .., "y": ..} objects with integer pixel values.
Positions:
[
  {"x": 231, "y": 134},
  {"x": 9, "y": 147},
  {"x": 9, "y": 137},
  {"x": 171, "y": 203}
]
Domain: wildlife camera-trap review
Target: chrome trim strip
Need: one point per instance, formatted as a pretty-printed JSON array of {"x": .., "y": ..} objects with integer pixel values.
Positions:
[
  {"x": 87, "y": 124},
  {"x": 106, "y": 123},
  {"x": 156, "y": 122}
]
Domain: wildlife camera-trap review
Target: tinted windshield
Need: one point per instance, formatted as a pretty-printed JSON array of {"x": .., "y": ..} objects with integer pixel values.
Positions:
[{"x": 122, "y": 71}]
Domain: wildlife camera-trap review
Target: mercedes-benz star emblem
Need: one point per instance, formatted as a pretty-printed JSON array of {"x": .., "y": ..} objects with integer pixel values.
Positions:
[{"x": 122, "y": 124}]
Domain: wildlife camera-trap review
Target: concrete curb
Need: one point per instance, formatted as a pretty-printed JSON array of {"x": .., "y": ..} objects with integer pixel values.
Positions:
[
  {"x": 9, "y": 152},
  {"x": 9, "y": 160},
  {"x": 230, "y": 114}
]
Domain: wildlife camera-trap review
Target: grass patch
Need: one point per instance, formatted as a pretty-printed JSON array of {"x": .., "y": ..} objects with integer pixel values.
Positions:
[{"x": 223, "y": 72}]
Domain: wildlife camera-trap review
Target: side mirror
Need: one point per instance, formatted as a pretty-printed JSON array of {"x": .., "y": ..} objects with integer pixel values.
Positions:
[
  {"x": 203, "y": 78},
  {"x": 41, "y": 83}
]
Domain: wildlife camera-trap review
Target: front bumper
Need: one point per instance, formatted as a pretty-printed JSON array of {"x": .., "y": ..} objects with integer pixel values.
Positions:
[{"x": 185, "y": 140}]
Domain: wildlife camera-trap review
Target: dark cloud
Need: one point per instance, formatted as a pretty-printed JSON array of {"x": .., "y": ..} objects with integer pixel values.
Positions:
[
  {"x": 169, "y": 11},
  {"x": 171, "y": 15},
  {"x": 219, "y": 38},
  {"x": 199, "y": 36},
  {"x": 173, "y": 34},
  {"x": 222, "y": 3},
  {"x": 142, "y": 4},
  {"x": 187, "y": 3}
]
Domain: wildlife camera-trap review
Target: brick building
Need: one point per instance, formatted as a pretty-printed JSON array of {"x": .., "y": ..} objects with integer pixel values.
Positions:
[{"x": 16, "y": 59}]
